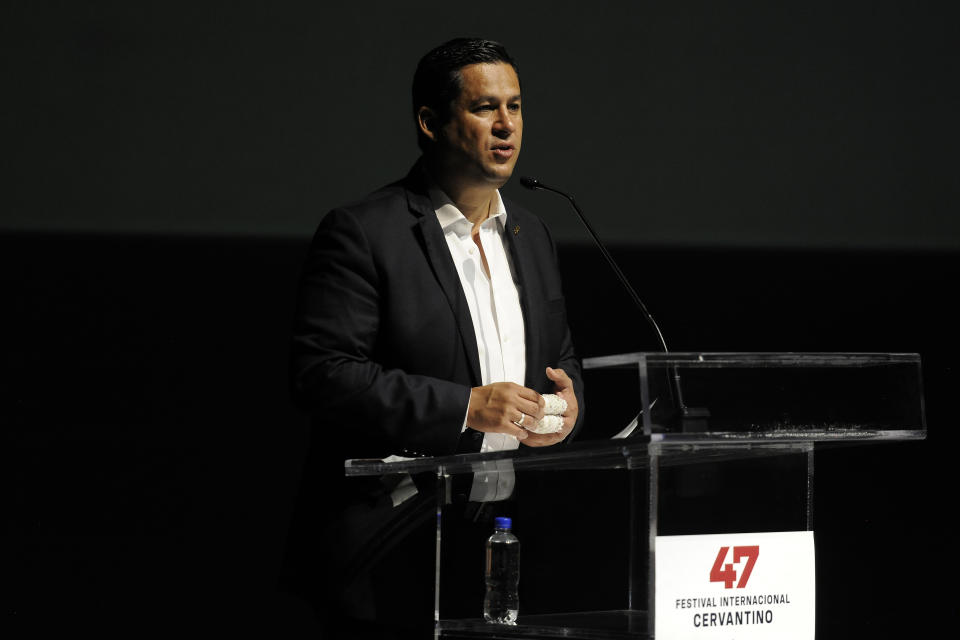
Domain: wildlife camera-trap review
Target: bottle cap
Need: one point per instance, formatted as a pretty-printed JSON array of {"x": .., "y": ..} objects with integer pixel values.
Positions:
[{"x": 503, "y": 523}]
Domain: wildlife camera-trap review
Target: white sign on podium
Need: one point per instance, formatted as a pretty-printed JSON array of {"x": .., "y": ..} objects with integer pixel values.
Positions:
[{"x": 736, "y": 586}]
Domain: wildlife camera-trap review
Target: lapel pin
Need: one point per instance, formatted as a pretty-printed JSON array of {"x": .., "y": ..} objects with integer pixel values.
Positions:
[{"x": 516, "y": 230}]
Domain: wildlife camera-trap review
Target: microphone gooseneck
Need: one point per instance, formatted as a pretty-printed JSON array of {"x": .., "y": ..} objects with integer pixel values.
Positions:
[{"x": 534, "y": 185}]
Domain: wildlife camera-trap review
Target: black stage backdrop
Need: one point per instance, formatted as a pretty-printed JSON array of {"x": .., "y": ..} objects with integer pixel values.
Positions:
[
  {"x": 679, "y": 123},
  {"x": 775, "y": 176},
  {"x": 156, "y": 454}
]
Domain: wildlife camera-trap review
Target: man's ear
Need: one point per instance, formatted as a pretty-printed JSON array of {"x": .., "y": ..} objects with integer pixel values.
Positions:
[{"x": 428, "y": 122}]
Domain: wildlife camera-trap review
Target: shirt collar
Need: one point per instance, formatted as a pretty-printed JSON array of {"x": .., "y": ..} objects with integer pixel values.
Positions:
[{"x": 450, "y": 215}]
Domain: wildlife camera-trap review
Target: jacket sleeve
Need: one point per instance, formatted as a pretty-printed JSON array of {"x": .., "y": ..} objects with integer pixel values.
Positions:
[{"x": 334, "y": 373}]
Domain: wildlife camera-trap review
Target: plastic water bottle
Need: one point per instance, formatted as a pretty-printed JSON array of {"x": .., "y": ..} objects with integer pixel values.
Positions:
[{"x": 501, "y": 604}]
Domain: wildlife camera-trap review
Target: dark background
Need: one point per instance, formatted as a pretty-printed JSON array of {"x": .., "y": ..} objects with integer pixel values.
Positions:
[{"x": 772, "y": 177}]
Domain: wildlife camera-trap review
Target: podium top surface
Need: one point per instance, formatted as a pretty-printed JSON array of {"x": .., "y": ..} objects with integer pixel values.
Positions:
[
  {"x": 700, "y": 359},
  {"x": 633, "y": 453}
]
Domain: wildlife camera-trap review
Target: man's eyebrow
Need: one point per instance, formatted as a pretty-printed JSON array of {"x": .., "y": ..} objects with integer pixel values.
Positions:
[{"x": 480, "y": 99}]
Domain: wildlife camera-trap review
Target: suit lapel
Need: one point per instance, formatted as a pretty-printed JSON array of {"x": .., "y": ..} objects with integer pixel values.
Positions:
[
  {"x": 438, "y": 253},
  {"x": 525, "y": 264}
]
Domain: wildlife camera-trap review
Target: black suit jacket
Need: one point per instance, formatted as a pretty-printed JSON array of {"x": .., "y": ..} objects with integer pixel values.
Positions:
[
  {"x": 383, "y": 358},
  {"x": 384, "y": 352}
]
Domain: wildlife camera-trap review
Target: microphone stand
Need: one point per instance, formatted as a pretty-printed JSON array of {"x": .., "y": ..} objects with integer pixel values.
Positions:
[{"x": 691, "y": 419}]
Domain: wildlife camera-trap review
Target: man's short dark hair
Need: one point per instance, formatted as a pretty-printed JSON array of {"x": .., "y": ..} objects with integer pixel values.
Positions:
[{"x": 438, "y": 81}]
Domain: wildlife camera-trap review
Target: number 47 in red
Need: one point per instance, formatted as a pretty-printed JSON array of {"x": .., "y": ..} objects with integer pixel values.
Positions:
[{"x": 726, "y": 574}]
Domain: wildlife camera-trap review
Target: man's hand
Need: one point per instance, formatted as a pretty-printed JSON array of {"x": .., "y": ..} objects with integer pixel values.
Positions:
[
  {"x": 498, "y": 407},
  {"x": 563, "y": 387}
]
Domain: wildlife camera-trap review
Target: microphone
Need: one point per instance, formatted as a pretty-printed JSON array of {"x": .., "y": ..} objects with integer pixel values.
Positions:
[
  {"x": 533, "y": 184},
  {"x": 686, "y": 413}
]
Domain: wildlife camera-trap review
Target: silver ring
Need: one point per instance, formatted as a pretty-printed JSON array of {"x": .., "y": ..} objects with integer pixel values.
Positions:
[{"x": 519, "y": 422}]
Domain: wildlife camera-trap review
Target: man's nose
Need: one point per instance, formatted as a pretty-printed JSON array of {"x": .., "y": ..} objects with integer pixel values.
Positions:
[{"x": 505, "y": 123}]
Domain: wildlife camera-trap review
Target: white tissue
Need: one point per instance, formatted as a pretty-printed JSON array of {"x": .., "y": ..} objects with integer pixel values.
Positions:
[
  {"x": 548, "y": 424},
  {"x": 554, "y": 405}
]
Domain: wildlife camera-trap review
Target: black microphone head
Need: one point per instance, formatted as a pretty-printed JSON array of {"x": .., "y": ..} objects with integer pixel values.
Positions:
[{"x": 529, "y": 183}]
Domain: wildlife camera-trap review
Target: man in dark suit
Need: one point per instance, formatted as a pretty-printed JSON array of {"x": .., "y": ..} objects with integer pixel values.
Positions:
[{"x": 431, "y": 315}]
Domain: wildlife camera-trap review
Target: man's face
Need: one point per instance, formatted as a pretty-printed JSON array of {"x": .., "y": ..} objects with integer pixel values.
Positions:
[{"x": 481, "y": 141}]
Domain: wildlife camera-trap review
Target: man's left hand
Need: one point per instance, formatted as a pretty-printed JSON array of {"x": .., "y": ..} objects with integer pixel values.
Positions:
[{"x": 563, "y": 387}]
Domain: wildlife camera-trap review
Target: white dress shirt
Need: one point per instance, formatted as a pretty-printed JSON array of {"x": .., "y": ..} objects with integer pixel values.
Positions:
[{"x": 494, "y": 303}]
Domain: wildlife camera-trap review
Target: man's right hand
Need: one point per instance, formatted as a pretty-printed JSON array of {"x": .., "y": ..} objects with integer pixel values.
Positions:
[{"x": 497, "y": 407}]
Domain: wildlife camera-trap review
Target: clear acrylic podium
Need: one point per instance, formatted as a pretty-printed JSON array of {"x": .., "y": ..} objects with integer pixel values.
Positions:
[{"x": 710, "y": 443}]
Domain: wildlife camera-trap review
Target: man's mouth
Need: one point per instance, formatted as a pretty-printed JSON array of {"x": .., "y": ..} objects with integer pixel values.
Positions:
[{"x": 504, "y": 150}]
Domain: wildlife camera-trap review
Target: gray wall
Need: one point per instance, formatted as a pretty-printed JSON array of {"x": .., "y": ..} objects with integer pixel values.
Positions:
[{"x": 751, "y": 124}]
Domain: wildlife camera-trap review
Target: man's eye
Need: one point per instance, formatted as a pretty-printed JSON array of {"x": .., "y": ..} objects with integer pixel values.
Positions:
[
  {"x": 485, "y": 107},
  {"x": 514, "y": 108}
]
